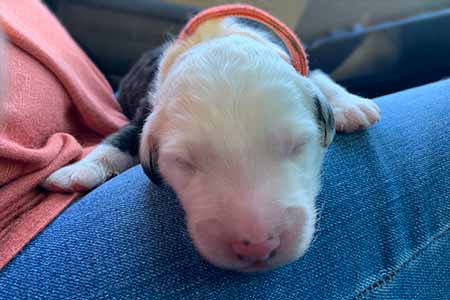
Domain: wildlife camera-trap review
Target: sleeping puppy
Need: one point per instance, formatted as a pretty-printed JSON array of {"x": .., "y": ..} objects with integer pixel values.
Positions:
[{"x": 239, "y": 135}]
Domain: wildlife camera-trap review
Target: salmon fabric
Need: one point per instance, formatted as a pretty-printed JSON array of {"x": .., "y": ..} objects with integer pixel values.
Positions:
[
  {"x": 55, "y": 108},
  {"x": 297, "y": 53}
]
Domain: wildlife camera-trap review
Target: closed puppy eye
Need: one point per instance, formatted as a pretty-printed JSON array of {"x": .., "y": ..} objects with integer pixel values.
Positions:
[
  {"x": 295, "y": 149},
  {"x": 184, "y": 164},
  {"x": 292, "y": 147},
  {"x": 289, "y": 145}
]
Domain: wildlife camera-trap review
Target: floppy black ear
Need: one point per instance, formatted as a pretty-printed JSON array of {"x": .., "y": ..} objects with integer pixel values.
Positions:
[
  {"x": 326, "y": 120},
  {"x": 151, "y": 167}
]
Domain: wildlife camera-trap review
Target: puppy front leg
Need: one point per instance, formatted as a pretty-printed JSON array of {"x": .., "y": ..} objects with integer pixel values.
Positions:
[
  {"x": 351, "y": 112},
  {"x": 114, "y": 155}
]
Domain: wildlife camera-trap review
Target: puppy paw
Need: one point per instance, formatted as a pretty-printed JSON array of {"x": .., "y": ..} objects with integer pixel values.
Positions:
[
  {"x": 79, "y": 177},
  {"x": 353, "y": 113}
]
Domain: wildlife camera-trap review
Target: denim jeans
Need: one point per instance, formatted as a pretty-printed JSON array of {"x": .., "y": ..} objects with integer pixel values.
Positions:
[{"x": 383, "y": 231}]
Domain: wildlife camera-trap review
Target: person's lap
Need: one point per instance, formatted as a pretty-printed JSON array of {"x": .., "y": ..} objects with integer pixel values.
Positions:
[{"x": 383, "y": 230}]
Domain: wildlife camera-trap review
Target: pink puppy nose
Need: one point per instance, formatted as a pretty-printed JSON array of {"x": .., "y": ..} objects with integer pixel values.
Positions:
[{"x": 256, "y": 251}]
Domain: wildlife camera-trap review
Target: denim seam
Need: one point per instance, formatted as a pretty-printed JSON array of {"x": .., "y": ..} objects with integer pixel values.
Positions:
[{"x": 386, "y": 278}]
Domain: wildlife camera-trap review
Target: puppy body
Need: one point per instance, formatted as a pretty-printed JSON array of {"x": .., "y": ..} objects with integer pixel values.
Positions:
[{"x": 239, "y": 135}]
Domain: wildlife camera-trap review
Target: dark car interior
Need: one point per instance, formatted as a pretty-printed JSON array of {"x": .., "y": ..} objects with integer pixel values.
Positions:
[{"x": 369, "y": 59}]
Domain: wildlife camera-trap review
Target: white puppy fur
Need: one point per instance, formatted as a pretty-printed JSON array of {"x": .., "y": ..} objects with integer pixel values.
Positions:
[
  {"x": 102, "y": 163},
  {"x": 351, "y": 112},
  {"x": 237, "y": 136}
]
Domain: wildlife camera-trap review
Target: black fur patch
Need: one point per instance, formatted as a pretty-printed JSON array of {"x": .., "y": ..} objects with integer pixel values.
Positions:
[
  {"x": 325, "y": 118},
  {"x": 137, "y": 83},
  {"x": 133, "y": 93},
  {"x": 127, "y": 139}
]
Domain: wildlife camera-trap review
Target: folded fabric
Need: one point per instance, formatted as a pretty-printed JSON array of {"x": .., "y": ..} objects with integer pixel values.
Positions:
[{"x": 55, "y": 107}]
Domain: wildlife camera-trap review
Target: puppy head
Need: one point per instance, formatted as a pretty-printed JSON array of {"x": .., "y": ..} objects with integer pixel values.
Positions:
[{"x": 240, "y": 136}]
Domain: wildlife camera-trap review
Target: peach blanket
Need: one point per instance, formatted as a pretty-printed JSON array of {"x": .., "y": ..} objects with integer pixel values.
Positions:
[{"x": 56, "y": 106}]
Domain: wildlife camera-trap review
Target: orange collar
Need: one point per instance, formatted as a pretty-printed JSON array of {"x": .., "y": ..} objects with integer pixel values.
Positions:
[{"x": 297, "y": 53}]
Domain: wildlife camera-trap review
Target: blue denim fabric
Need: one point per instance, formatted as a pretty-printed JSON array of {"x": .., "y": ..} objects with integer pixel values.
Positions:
[{"x": 383, "y": 230}]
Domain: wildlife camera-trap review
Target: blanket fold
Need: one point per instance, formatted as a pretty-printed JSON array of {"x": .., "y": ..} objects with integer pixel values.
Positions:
[{"x": 55, "y": 106}]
